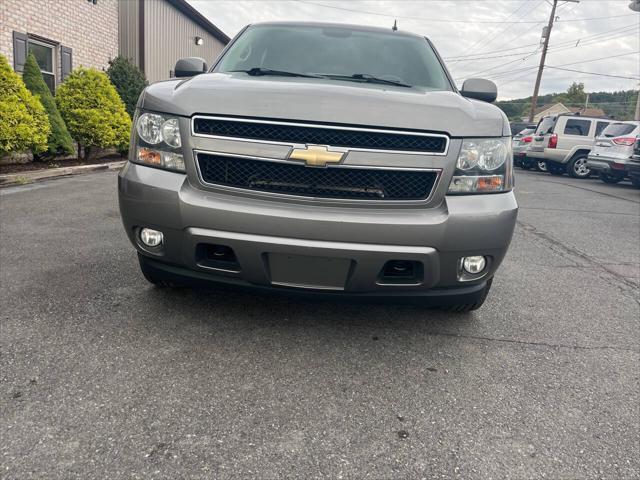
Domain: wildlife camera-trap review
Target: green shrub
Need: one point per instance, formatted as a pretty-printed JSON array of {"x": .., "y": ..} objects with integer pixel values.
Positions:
[
  {"x": 23, "y": 121},
  {"x": 93, "y": 111},
  {"x": 128, "y": 80},
  {"x": 59, "y": 141}
]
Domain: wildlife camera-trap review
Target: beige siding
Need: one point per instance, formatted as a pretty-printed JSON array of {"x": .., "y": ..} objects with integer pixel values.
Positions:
[
  {"x": 169, "y": 36},
  {"x": 129, "y": 30}
]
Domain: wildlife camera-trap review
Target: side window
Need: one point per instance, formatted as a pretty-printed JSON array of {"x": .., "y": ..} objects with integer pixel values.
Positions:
[
  {"x": 577, "y": 127},
  {"x": 600, "y": 126}
]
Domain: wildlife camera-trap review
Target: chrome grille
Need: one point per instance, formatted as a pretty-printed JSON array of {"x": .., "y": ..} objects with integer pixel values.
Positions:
[
  {"x": 348, "y": 137},
  {"x": 337, "y": 182}
]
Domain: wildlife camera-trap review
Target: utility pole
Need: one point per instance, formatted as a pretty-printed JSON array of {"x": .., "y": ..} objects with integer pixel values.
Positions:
[{"x": 534, "y": 100}]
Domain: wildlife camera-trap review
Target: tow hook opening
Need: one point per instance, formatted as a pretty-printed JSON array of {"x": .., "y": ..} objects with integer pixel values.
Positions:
[
  {"x": 217, "y": 257},
  {"x": 401, "y": 272}
]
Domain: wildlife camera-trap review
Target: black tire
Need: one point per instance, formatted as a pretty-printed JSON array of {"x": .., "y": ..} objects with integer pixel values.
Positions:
[
  {"x": 554, "y": 169},
  {"x": 468, "y": 307},
  {"x": 608, "y": 178},
  {"x": 577, "y": 167},
  {"x": 635, "y": 181}
]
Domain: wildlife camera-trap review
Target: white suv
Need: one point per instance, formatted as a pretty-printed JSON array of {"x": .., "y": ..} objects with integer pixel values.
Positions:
[{"x": 564, "y": 142}]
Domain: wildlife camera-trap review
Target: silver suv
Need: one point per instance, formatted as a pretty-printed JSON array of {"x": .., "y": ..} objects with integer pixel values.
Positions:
[
  {"x": 322, "y": 158},
  {"x": 564, "y": 142},
  {"x": 612, "y": 150}
]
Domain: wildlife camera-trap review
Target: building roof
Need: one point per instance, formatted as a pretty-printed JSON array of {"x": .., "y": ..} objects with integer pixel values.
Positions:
[
  {"x": 588, "y": 112},
  {"x": 200, "y": 19},
  {"x": 547, "y": 106}
]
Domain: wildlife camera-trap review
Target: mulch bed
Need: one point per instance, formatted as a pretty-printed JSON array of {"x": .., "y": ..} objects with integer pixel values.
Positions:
[{"x": 56, "y": 163}]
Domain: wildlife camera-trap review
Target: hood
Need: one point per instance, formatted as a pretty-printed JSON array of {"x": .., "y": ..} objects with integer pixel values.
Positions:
[{"x": 325, "y": 101}]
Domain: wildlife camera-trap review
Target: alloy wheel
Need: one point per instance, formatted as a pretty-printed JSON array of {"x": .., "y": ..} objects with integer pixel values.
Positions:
[{"x": 580, "y": 167}]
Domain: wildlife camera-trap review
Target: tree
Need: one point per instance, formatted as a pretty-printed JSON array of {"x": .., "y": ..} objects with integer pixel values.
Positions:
[
  {"x": 128, "y": 80},
  {"x": 23, "y": 121},
  {"x": 575, "y": 95},
  {"x": 59, "y": 141},
  {"x": 93, "y": 111}
]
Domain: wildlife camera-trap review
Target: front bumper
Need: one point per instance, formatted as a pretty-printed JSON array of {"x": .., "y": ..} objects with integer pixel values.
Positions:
[{"x": 281, "y": 245}]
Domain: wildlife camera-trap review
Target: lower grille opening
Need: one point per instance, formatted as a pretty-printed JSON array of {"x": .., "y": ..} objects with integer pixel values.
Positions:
[
  {"x": 401, "y": 272},
  {"x": 339, "y": 182},
  {"x": 219, "y": 257}
]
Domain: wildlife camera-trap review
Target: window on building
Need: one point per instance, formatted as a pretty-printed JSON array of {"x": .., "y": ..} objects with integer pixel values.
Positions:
[
  {"x": 45, "y": 56},
  {"x": 577, "y": 127}
]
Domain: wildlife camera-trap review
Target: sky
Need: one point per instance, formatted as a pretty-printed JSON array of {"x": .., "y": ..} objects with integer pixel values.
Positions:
[{"x": 494, "y": 39}]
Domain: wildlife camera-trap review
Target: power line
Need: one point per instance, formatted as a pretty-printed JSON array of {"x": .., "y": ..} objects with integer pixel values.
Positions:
[
  {"x": 567, "y": 44},
  {"x": 592, "y": 73},
  {"x": 601, "y": 58},
  {"x": 510, "y": 71},
  {"x": 444, "y": 20},
  {"x": 488, "y": 42}
]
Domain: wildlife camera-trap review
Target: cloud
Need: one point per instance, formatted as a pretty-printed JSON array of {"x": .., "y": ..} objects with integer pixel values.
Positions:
[{"x": 603, "y": 37}]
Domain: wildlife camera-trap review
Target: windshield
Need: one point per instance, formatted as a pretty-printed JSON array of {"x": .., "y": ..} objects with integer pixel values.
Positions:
[
  {"x": 336, "y": 52},
  {"x": 546, "y": 125}
]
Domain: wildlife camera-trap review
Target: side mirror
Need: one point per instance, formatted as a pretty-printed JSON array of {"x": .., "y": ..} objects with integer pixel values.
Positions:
[
  {"x": 190, "y": 67},
  {"x": 480, "y": 89}
]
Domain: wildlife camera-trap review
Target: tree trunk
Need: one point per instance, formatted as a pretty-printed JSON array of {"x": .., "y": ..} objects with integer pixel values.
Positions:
[
  {"x": 87, "y": 152},
  {"x": 79, "y": 151}
]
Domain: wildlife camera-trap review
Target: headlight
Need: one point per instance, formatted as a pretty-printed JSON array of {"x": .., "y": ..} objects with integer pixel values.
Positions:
[
  {"x": 483, "y": 166},
  {"x": 158, "y": 142}
]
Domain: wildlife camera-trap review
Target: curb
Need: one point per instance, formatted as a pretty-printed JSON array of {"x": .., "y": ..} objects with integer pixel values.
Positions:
[{"x": 29, "y": 177}]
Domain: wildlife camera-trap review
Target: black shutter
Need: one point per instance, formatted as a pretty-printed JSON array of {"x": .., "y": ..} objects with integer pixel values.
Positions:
[
  {"x": 20, "y": 49},
  {"x": 67, "y": 61}
]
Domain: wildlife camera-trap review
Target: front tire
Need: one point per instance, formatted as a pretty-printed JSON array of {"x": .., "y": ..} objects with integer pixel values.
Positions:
[
  {"x": 578, "y": 168},
  {"x": 468, "y": 307}
]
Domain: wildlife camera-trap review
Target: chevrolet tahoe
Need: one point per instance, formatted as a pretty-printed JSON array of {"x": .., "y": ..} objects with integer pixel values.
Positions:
[{"x": 322, "y": 158}]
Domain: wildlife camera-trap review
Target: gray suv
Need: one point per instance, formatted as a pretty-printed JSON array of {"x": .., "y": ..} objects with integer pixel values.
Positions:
[{"x": 322, "y": 158}]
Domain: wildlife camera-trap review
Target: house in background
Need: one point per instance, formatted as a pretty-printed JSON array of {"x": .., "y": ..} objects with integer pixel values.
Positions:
[
  {"x": 558, "y": 108},
  {"x": 63, "y": 34}
]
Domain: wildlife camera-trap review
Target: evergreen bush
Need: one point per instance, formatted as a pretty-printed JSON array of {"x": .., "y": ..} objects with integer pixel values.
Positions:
[
  {"x": 59, "y": 141},
  {"x": 93, "y": 111},
  {"x": 23, "y": 121}
]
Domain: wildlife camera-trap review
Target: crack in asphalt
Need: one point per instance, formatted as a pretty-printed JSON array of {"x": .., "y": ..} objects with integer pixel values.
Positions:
[
  {"x": 534, "y": 344},
  {"x": 626, "y": 286},
  {"x": 579, "y": 211},
  {"x": 595, "y": 191}
]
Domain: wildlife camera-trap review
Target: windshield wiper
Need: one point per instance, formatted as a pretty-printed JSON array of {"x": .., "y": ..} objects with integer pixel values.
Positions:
[
  {"x": 367, "y": 78},
  {"x": 259, "y": 71}
]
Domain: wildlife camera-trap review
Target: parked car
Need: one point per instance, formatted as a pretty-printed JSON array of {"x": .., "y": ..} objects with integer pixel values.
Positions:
[
  {"x": 612, "y": 150},
  {"x": 322, "y": 158},
  {"x": 520, "y": 144},
  {"x": 633, "y": 165},
  {"x": 517, "y": 127},
  {"x": 564, "y": 142}
]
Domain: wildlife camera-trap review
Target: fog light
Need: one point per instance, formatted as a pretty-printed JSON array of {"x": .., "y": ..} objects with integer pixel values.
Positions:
[
  {"x": 151, "y": 238},
  {"x": 474, "y": 265}
]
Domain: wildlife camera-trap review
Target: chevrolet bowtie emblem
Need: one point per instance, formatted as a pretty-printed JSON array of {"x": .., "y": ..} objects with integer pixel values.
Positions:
[{"x": 316, "y": 155}]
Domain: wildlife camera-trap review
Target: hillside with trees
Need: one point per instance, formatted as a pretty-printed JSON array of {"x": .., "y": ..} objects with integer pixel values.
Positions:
[{"x": 619, "y": 105}]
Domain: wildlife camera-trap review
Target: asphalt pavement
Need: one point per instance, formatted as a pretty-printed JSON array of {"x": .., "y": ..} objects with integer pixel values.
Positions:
[{"x": 105, "y": 376}]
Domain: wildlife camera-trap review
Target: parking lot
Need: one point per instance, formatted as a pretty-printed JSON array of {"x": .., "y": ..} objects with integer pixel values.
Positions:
[{"x": 104, "y": 376}]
